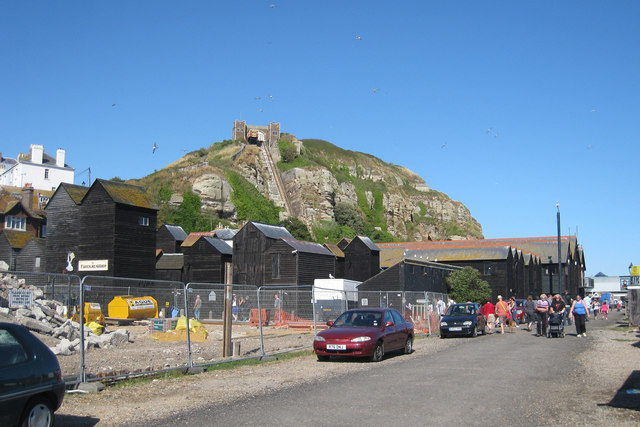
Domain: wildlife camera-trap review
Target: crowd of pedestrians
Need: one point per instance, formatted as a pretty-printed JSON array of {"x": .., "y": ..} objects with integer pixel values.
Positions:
[{"x": 559, "y": 308}]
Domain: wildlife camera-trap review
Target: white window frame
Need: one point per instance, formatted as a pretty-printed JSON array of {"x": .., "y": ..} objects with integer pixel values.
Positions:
[
  {"x": 15, "y": 223},
  {"x": 143, "y": 221}
]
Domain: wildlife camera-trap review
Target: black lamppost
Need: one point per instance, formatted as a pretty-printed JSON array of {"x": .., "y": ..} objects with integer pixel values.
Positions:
[
  {"x": 560, "y": 272},
  {"x": 550, "y": 275}
]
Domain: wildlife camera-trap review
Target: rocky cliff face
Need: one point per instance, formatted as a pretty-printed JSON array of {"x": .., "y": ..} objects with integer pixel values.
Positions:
[{"x": 326, "y": 176}]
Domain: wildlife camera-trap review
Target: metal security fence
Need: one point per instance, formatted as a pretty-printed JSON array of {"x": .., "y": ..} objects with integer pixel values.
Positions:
[
  {"x": 286, "y": 312},
  {"x": 146, "y": 328},
  {"x": 418, "y": 307},
  {"x": 138, "y": 314},
  {"x": 45, "y": 304},
  {"x": 205, "y": 303}
]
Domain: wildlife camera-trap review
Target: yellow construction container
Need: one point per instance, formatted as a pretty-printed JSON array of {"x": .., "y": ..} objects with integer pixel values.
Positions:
[
  {"x": 130, "y": 307},
  {"x": 92, "y": 312}
]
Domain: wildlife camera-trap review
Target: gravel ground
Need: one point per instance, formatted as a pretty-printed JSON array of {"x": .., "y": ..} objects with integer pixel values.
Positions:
[{"x": 612, "y": 355}]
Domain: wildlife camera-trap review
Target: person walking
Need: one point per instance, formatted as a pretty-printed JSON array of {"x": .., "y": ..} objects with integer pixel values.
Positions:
[
  {"x": 502, "y": 309},
  {"x": 605, "y": 310},
  {"x": 530, "y": 312},
  {"x": 196, "y": 307},
  {"x": 580, "y": 313},
  {"x": 596, "y": 308},
  {"x": 542, "y": 315},
  {"x": 514, "y": 313},
  {"x": 489, "y": 313}
]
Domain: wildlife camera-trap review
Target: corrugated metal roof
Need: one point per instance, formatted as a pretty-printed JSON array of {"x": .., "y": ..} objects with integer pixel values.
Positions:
[
  {"x": 334, "y": 249},
  {"x": 307, "y": 247},
  {"x": 391, "y": 256},
  {"x": 170, "y": 262},
  {"x": 222, "y": 246},
  {"x": 225, "y": 233},
  {"x": 273, "y": 231},
  {"x": 17, "y": 239},
  {"x": 540, "y": 246},
  {"x": 368, "y": 242},
  {"x": 127, "y": 194},
  {"x": 176, "y": 232}
]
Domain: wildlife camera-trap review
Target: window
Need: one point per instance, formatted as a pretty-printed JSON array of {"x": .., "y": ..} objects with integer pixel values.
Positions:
[
  {"x": 275, "y": 266},
  {"x": 37, "y": 265},
  {"x": 15, "y": 223},
  {"x": 488, "y": 268},
  {"x": 144, "y": 221},
  {"x": 46, "y": 174},
  {"x": 12, "y": 351}
]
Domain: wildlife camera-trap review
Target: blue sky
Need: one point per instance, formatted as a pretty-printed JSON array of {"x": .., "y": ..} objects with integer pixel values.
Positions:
[{"x": 416, "y": 83}]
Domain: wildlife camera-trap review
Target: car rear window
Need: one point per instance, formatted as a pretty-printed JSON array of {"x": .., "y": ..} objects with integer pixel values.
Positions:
[{"x": 12, "y": 352}]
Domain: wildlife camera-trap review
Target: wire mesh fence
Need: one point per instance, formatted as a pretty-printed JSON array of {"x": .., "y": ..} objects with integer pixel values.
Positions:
[
  {"x": 135, "y": 326},
  {"x": 210, "y": 338},
  {"x": 418, "y": 307},
  {"x": 45, "y": 304}
]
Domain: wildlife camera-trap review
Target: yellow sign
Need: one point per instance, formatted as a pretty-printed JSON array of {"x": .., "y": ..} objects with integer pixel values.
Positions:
[{"x": 635, "y": 270}]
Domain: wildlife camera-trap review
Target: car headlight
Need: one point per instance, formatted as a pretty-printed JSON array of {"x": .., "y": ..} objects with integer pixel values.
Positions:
[
  {"x": 319, "y": 338},
  {"x": 443, "y": 323},
  {"x": 467, "y": 323},
  {"x": 360, "y": 339}
]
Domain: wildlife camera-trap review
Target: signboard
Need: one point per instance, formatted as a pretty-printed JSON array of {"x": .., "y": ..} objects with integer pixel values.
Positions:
[
  {"x": 624, "y": 282},
  {"x": 94, "y": 265},
  {"x": 140, "y": 303},
  {"x": 20, "y": 298},
  {"x": 635, "y": 270}
]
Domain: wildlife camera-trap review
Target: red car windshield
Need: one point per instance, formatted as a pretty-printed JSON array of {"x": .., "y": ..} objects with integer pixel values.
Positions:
[{"x": 359, "y": 318}]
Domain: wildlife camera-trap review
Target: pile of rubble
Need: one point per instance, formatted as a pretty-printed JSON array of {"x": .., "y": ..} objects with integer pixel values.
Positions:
[{"x": 46, "y": 317}]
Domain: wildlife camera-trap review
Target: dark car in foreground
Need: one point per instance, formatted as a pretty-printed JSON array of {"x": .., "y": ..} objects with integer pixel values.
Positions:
[
  {"x": 369, "y": 333},
  {"x": 31, "y": 385},
  {"x": 462, "y": 320}
]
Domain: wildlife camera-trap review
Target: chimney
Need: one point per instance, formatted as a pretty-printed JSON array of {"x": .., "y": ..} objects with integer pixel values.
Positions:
[
  {"x": 36, "y": 153},
  {"x": 60, "y": 158},
  {"x": 27, "y": 197}
]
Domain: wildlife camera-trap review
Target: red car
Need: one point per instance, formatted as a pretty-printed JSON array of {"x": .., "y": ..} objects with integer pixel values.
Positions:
[{"x": 365, "y": 332}]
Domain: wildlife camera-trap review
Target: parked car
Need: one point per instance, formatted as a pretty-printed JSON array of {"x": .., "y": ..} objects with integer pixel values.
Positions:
[
  {"x": 31, "y": 385},
  {"x": 370, "y": 333},
  {"x": 462, "y": 320}
]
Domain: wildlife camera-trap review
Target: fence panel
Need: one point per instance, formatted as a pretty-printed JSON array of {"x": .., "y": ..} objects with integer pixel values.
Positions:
[
  {"x": 205, "y": 303},
  {"x": 45, "y": 303},
  {"x": 291, "y": 317},
  {"x": 140, "y": 335}
]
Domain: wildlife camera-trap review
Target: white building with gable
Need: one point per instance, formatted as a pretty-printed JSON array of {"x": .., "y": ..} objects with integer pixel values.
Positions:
[{"x": 36, "y": 169}]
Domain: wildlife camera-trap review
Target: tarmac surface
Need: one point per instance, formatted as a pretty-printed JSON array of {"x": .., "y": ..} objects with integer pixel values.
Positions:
[{"x": 498, "y": 380}]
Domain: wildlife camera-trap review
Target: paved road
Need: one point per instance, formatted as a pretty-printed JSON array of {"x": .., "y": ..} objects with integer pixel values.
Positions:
[{"x": 489, "y": 380}]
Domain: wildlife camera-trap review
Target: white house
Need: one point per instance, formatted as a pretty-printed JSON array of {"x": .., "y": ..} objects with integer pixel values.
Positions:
[{"x": 36, "y": 169}]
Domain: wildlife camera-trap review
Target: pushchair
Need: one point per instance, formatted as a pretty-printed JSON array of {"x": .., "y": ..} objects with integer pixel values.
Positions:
[{"x": 556, "y": 326}]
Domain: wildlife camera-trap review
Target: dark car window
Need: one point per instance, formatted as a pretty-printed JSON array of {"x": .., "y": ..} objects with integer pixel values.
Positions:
[
  {"x": 397, "y": 317},
  {"x": 12, "y": 352},
  {"x": 358, "y": 318}
]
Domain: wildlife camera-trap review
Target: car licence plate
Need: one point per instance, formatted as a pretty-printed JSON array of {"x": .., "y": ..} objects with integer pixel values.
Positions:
[
  {"x": 336, "y": 347},
  {"x": 455, "y": 328}
]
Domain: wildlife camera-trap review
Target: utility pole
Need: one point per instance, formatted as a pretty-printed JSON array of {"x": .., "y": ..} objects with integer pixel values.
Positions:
[{"x": 560, "y": 271}]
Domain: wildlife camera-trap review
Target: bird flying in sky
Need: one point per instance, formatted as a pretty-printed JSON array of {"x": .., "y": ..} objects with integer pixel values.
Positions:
[{"x": 155, "y": 147}]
